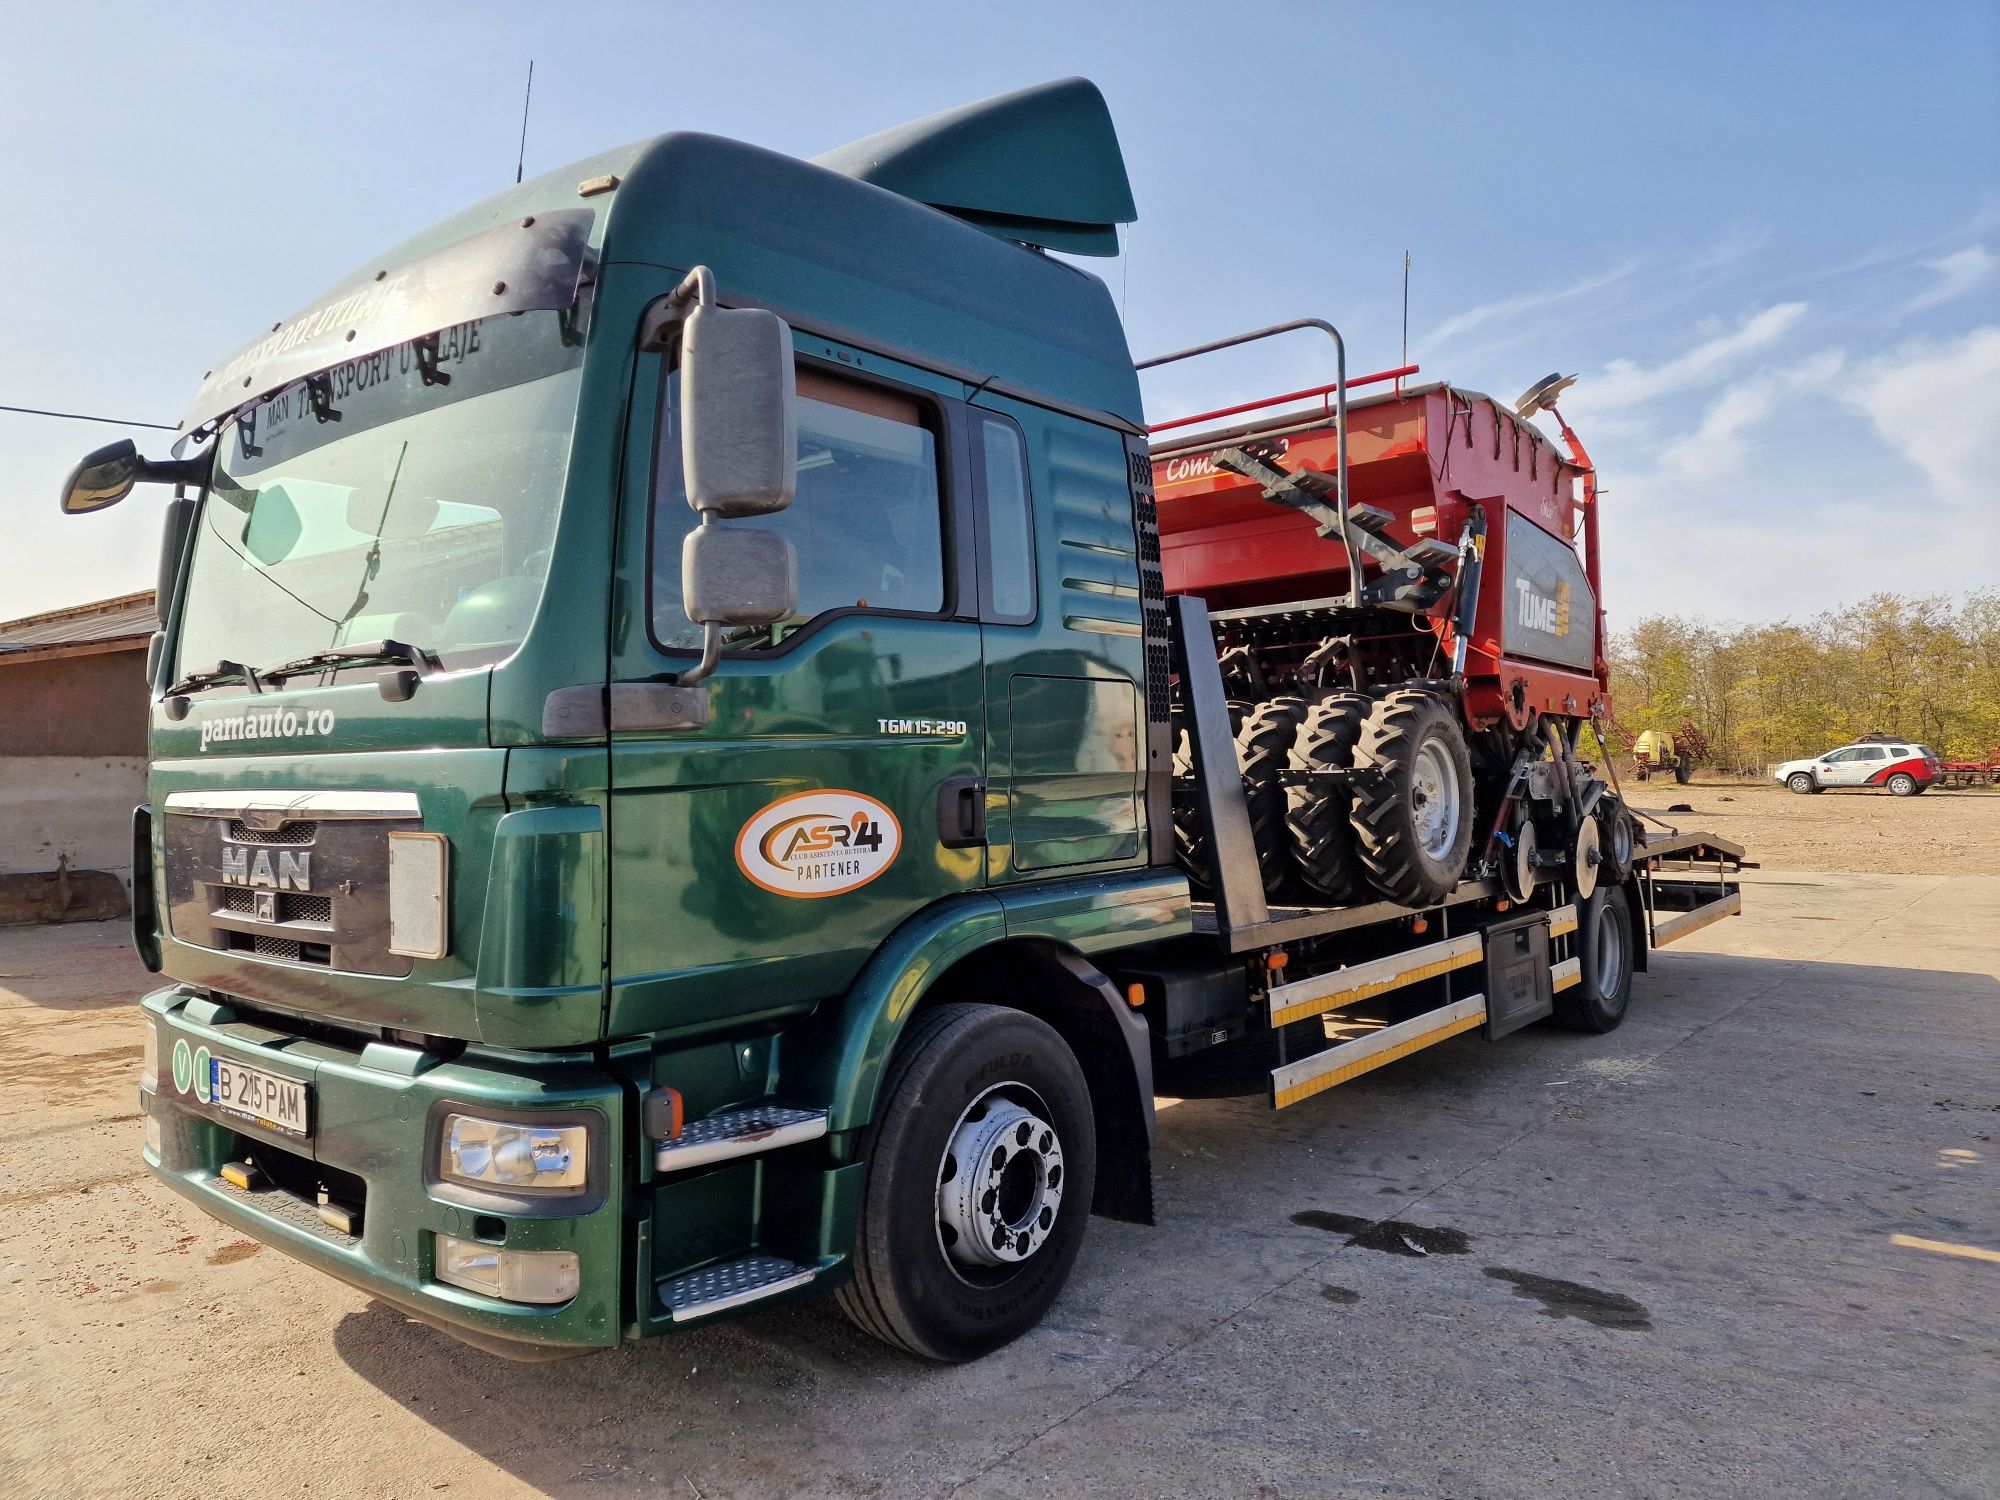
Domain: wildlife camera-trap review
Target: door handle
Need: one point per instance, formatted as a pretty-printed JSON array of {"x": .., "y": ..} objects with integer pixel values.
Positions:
[{"x": 961, "y": 811}]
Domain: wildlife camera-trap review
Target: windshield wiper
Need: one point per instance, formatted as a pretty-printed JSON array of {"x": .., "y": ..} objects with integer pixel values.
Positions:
[
  {"x": 359, "y": 655},
  {"x": 223, "y": 673}
]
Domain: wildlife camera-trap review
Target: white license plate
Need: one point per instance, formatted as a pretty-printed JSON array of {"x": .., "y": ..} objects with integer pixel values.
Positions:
[{"x": 265, "y": 1097}]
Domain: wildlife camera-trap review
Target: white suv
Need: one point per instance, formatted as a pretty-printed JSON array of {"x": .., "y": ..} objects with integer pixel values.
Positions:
[{"x": 1906, "y": 770}]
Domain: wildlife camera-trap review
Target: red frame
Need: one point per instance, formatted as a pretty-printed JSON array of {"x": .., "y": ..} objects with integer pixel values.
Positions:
[{"x": 1428, "y": 456}]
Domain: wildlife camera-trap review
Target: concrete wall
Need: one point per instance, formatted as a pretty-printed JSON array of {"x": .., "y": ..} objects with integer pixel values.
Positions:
[
  {"x": 74, "y": 805},
  {"x": 72, "y": 761}
]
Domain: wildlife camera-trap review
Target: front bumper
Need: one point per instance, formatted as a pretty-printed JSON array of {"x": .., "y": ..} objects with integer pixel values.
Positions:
[{"x": 372, "y": 1135}]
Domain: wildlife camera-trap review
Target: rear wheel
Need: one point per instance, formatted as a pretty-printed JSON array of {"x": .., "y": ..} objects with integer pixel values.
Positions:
[
  {"x": 1412, "y": 789},
  {"x": 1902, "y": 784},
  {"x": 1264, "y": 747},
  {"x": 1800, "y": 782},
  {"x": 979, "y": 1169},
  {"x": 1316, "y": 817},
  {"x": 1603, "y": 990},
  {"x": 1683, "y": 768}
]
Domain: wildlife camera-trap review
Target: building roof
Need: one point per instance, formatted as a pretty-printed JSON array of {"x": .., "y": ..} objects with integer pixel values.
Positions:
[{"x": 81, "y": 629}]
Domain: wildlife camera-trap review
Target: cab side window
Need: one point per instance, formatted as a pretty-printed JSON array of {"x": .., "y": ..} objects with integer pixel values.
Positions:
[
  {"x": 1007, "y": 521},
  {"x": 867, "y": 523}
]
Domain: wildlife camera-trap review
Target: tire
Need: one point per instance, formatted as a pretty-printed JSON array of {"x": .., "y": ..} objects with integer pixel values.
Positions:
[
  {"x": 909, "y": 1290},
  {"x": 1316, "y": 815},
  {"x": 1597, "y": 1002},
  {"x": 1902, "y": 784},
  {"x": 1191, "y": 849},
  {"x": 1683, "y": 768},
  {"x": 1616, "y": 840},
  {"x": 1264, "y": 747},
  {"x": 1413, "y": 803},
  {"x": 1801, "y": 782}
]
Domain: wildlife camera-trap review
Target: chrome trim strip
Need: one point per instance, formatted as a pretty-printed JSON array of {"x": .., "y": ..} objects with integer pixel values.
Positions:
[{"x": 319, "y": 806}]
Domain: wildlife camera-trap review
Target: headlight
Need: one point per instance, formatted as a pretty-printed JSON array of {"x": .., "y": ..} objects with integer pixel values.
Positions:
[
  {"x": 542, "y": 1276},
  {"x": 509, "y": 1155},
  {"x": 149, "y": 1056}
]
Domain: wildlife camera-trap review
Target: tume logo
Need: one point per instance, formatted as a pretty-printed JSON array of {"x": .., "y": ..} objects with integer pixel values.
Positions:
[
  {"x": 1539, "y": 611},
  {"x": 814, "y": 844}
]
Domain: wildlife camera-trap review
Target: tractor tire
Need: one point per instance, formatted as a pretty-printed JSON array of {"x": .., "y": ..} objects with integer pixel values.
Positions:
[
  {"x": 1801, "y": 782},
  {"x": 1902, "y": 784},
  {"x": 1264, "y": 749},
  {"x": 1191, "y": 848},
  {"x": 1683, "y": 768},
  {"x": 1604, "y": 949},
  {"x": 1412, "y": 791},
  {"x": 1316, "y": 816},
  {"x": 978, "y": 1169}
]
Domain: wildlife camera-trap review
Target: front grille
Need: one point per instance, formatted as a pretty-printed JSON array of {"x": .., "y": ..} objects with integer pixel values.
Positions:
[
  {"x": 273, "y": 947},
  {"x": 291, "y": 908},
  {"x": 284, "y": 833}
]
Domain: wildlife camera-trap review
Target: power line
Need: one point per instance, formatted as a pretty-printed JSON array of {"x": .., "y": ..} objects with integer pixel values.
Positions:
[{"x": 77, "y": 416}]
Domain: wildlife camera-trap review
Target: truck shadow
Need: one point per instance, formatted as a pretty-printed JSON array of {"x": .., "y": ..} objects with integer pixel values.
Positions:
[{"x": 1734, "y": 1086}]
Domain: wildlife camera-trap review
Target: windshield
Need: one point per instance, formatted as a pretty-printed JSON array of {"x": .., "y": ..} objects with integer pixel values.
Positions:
[{"x": 409, "y": 496}]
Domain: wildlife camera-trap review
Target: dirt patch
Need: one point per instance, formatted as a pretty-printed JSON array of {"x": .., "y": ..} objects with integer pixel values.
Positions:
[
  {"x": 1861, "y": 832},
  {"x": 236, "y": 1250}
]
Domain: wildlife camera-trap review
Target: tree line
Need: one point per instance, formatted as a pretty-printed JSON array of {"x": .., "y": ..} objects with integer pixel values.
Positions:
[{"x": 1924, "y": 667}]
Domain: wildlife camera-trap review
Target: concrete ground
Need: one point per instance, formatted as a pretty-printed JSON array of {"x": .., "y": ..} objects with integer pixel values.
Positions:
[{"x": 1745, "y": 1245}]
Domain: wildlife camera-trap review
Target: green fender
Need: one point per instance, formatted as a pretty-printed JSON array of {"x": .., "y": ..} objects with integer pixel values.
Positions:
[{"x": 838, "y": 1056}]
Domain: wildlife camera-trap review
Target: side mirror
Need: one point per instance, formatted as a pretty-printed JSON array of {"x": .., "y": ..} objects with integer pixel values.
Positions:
[
  {"x": 105, "y": 477},
  {"x": 738, "y": 575},
  {"x": 739, "y": 412}
]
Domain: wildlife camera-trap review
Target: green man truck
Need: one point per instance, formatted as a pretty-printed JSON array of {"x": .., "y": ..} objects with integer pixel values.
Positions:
[{"x": 703, "y": 753}]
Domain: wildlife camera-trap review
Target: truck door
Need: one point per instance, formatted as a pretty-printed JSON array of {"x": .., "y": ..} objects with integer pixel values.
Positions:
[
  {"x": 757, "y": 861},
  {"x": 1064, "y": 654}
]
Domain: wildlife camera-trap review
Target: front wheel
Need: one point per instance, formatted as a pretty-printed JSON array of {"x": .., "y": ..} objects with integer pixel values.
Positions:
[
  {"x": 980, "y": 1165},
  {"x": 1902, "y": 785},
  {"x": 1800, "y": 782}
]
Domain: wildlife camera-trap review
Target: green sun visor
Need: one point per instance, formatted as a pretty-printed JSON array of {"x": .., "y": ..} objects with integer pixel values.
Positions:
[
  {"x": 1040, "y": 165},
  {"x": 531, "y": 264}
]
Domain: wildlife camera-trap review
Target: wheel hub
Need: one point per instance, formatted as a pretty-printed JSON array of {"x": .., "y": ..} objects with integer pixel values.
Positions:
[
  {"x": 1434, "y": 800},
  {"x": 1000, "y": 1184}
]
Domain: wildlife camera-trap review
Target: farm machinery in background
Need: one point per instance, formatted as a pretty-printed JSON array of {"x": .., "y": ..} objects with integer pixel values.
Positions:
[{"x": 1655, "y": 752}]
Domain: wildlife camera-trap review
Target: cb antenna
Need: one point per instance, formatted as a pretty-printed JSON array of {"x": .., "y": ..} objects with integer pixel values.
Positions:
[
  {"x": 1406, "y": 308},
  {"x": 522, "y": 159}
]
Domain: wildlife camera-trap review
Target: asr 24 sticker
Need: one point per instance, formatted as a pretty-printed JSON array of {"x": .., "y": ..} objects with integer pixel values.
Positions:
[{"x": 814, "y": 844}]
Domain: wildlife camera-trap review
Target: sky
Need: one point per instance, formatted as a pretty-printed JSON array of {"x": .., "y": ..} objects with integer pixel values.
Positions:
[{"x": 1766, "y": 236}]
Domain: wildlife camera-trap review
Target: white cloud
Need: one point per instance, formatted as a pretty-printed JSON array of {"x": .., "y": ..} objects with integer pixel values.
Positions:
[
  {"x": 1625, "y": 384},
  {"x": 1937, "y": 402},
  {"x": 1716, "y": 449},
  {"x": 1960, "y": 272},
  {"x": 1509, "y": 309}
]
